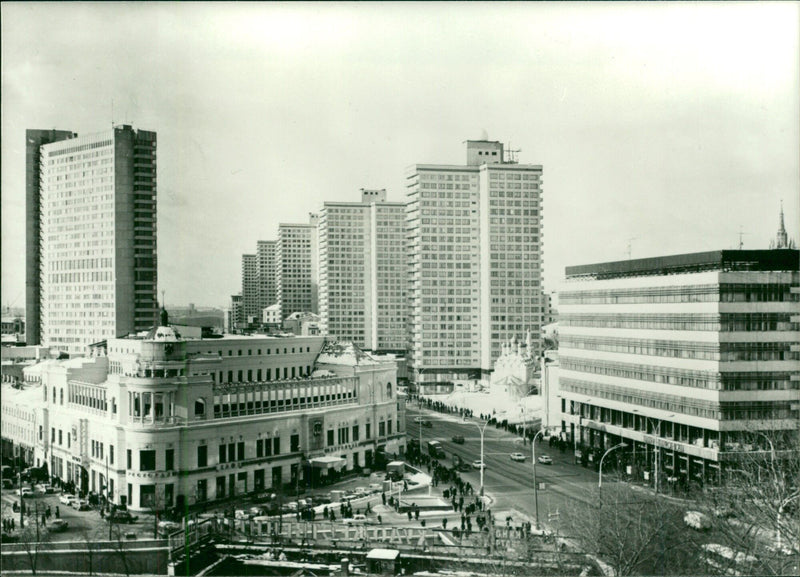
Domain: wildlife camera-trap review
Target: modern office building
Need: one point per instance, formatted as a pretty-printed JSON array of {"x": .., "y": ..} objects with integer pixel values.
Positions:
[
  {"x": 265, "y": 254},
  {"x": 34, "y": 140},
  {"x": 362, "y": 274},
  {"x": 474, "y": 238},
  {"x": 684, "y": 358},
  {"x": 251, "y": 291},
  {"x": 296, "y": 267},
  {"x": 162, "y": 420},
  {"x": 96, "y": 223}
]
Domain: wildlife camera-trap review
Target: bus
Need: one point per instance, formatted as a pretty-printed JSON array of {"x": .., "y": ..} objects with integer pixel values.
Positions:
[{"x": 435, "y": 449}]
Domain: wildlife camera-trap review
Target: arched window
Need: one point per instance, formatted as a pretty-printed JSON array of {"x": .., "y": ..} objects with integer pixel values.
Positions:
[
  {"x": 389, "y": 390},
  {"x": 199, "y": 407}
]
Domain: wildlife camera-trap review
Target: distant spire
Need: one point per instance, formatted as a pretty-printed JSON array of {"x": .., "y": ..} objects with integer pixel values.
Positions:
[{"x": 782, "y": 238}]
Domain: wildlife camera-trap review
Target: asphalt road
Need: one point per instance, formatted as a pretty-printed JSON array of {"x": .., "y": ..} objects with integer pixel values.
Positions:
[{"x": 509, "y": 483}]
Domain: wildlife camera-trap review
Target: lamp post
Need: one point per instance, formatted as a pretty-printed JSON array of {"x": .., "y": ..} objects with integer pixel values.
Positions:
[
  {"x": 535, "y": 485},
  {"x": 483, "y": 465},
  {"x": 655, "y": 448},
  {"x": 600, "y": 478}
]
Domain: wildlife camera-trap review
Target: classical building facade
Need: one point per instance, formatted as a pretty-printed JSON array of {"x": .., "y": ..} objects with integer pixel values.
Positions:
[
  {"x": 362, "y": 274},
  {"x": 162, "y": 420},
  {"x": 91, "y": 235},
  {"x": 685, "y": 358},
  {"x": 474, "y": 261}
]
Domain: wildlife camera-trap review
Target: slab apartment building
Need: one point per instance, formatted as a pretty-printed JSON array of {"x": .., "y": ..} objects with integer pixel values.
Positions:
[
  {"x": 91, "y": 236},
  {"x": 362, "y": 276},
  {"x": 474, "y": 244}
]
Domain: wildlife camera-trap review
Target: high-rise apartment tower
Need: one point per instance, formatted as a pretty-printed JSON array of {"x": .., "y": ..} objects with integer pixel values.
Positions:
[
  {"x": 475, "y": 261},
  {"x": 93, "y": 201},
  {"x": 362, "y": 274},
  {"x": 296, "y": 267}
]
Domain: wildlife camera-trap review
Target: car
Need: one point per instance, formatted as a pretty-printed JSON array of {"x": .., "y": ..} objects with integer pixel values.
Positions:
[
  {"x": 464, "y": 467},
  {"x": 357, "y": 519},
  {"x": 121, "y": 517},
  {"x": 545, "y": 460},
  {"x": 166, "y": 528},
  {"x": 80, "y": 504},
  {"x": 24, "y": 492},
  {"x": 427, "y": 424},
  {"x": 517, "y": 457},
  {"x": 697, "y": 520},
  {"x": 458, "y": 439},
  {"x": 66, "y": 498},
  {"x": 8, "y": 484},
  {"x": 58, "y": 525},
  {"x": 45, "y": 488},
  {"x": 478, "y": 464}
]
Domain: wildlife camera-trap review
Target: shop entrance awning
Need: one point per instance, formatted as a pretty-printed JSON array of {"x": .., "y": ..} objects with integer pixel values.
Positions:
[{"x": 327, "y": 462}]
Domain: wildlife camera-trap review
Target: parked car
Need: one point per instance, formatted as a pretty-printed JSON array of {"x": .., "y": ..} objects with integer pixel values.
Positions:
[
  {"x": 66, "y": 498},
  {"x": 478, "y": 464},
  {"x": 24, "y": 492},
  {"x": 358, "y": 519},
  {"x": 697, "y": 520},
  {"x": 458, "y": 439},
  {"x": 545, "y": 460},
  {"x": 517, "y": 457},
  {"x": 167, "y": 528},
  {"x": 121, "y": 517},
  {"x": 45, "y": 488},
  {"x": 8, "y": 484},
  {"x": 81, "y": 504},
  {"x": 58, "y": 525}
]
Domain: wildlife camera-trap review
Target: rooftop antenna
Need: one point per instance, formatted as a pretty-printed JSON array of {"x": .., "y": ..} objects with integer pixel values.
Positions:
[
  {"x": 630, "y": 245},
  {"x": 512, "y": 154},
  {"x": 741, "y": 234}
]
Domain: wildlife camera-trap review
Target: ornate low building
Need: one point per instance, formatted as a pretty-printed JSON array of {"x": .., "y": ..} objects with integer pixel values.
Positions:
[
  {"x": 514, "y": 370},
  {"x": 160, "y": 420}
]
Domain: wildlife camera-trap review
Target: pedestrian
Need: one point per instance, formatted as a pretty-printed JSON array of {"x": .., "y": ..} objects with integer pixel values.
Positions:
[
  {"x": 44, "y": 519},
  {"x": 325, "y": 512},
  {"x": 409, "y": 514},
  {"x": 383, "y": 498},
  {"x": 58, "y": 513},
  {"x": 416, "y": 514},
  {"x": 444, "y": 523},
  {"x": 380, "y": 520}
]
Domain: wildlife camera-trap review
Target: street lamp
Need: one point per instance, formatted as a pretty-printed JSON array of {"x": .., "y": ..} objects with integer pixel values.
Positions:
[
  {"x": 483, "y": 465},
  {"x": 600, "y": 478},
  {"x": 656, "y": 449},
  {"x": 535, "y": 486}
]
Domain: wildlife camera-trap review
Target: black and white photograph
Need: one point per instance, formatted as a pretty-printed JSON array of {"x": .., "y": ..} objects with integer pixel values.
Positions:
[{"x": 445, "y": 289}]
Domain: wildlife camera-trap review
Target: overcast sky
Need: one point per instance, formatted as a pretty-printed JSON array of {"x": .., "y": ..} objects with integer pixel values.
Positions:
[{"x": 675, "y": 125}]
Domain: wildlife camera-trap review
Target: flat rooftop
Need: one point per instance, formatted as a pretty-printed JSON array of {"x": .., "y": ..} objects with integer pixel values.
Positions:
[{"x": 719, "y": 260}]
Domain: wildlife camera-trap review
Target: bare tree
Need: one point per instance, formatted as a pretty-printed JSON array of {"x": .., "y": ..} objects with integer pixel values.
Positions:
[
  {"x": 32, "y": 537},
  {"x": 634, "y": 533},
  {"x": 756, "y": 505}
]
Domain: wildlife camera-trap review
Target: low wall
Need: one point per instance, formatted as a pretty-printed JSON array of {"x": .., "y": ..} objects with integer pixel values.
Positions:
[{"x": 124, "y": 557}]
